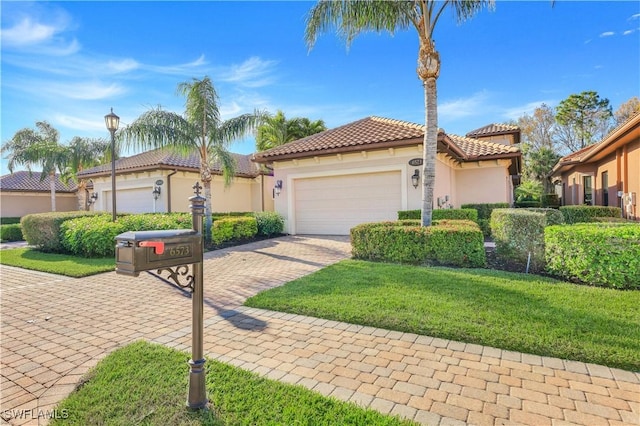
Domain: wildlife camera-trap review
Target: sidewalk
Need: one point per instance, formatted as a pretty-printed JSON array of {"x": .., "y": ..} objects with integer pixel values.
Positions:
[{"x": 54, "y": 329}]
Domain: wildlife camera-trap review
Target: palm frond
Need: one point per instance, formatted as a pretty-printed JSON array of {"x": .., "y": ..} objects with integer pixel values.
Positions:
[{"x": 158, "y": 128}]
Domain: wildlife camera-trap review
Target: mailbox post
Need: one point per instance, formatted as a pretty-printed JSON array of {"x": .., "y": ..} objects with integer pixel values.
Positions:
[{"x": 172, "y": 251}]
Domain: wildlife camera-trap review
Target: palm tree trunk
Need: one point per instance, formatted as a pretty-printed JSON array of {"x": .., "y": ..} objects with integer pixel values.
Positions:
[
  {"x": 430, "y": 147},
  {"x": 207, "y": 209},
  {"x": 52, "y": 185}
]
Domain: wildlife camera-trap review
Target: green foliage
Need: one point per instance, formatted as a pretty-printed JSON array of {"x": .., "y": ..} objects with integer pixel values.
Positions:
[
  {"x": 550, "y": 200},
  {"x": 269, "y": 223},
  {"x": 42, "y": 230},
  {"x": 484, "y": 214},
  {"x": 11, "y": 232},
  {"x": 9, "y": 220},
  {"x": 577, "y": 214},
  {"x": 553, "y": 216},
  {"x": 602, "y": 254},
  {"x": 518, "y": 232},
  {"x": 529, "y": 190},
  {"x": 440, "y": 214},
  {"x": 234, "y": 228},
  {"x": 586, "y": 115},
  {"x": 448, "y": 242}
]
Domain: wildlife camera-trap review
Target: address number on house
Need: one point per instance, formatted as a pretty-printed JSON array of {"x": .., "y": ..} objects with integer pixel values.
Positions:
[{"x": 415, "y": 162}]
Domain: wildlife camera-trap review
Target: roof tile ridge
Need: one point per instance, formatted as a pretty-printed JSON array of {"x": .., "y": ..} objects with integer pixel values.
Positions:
[{"x": 396, "y": 121}]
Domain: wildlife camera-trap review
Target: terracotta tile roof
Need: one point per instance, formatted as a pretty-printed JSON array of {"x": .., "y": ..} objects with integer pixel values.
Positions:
[
  {"x": 377, "y": 133},
  {"x": 23, "y": 181},
  {"x": 493, "y": 129},
  {"x": 164, "y": 159}
]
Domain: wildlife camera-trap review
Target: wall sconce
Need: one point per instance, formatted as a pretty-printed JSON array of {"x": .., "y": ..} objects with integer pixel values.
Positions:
[
  {"x": 156, "y": 192},
  {"x": 415, "y": 178},
  {"x": 92, "y": 199},
  {"x": 278, "y": 188}
]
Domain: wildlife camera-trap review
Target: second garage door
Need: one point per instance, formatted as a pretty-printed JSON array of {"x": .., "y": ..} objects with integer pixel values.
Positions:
[{"x": 332, "y": 205}]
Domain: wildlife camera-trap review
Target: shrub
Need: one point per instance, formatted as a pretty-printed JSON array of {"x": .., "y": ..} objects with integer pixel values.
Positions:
[
  {"x": 577, "y": 214},
  {"x": 518, "y": 232},
  {"x": 11, "y": 232},
  {"x": 269, "y": 223},
  {"x": 440, "y": 214},
  {"x": 527, "y": 204},
  {"x": 550, "y": 200},
  {"x": 448, "y": 242},
  {"x": 234, "y": 228},
  {"x": 553, "y": 216},
  {"x": 484, "y": 214},
  {"x": 42, "y": 230},
  {"x": 9, "y": 220},
  {"x": 602, "y": 254}
]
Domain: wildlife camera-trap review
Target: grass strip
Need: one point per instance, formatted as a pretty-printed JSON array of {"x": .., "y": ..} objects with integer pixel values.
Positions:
[
  {"x": 145, "y": 383},
  {"x": 524, "y": 313},
  {"x": 61, "y": 264}
]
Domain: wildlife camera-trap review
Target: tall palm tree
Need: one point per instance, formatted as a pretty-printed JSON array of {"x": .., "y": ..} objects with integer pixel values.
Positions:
[
  {"x": 301, "y": 127},
  {"x": 83, "y": 153},
  {"x": 38, "y": 147},
  {"x": 277, "y": 130},
  {"x": 200, "y": 130},
  {"x": 352, "y": 17}
]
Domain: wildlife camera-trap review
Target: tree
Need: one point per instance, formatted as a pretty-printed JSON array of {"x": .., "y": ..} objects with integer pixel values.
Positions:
[
  {"x": 83, "y": 153},
  {"x": 626, "y": 110},
  {"x": 38, "y": 147},
  {"x": 585, "y": 119},
  {"x": 350, "y": 18},
  {"x": 277, "y": 130},
  {"x": 201, "y": 130}
]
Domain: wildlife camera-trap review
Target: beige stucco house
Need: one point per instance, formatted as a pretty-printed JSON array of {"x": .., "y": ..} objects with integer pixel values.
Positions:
[
  {"x": 362, "y": 172},
  {"x": 23, "y": 193},
  {"x": 172, "y": 177},
  {"x": 606, "y": 173}
]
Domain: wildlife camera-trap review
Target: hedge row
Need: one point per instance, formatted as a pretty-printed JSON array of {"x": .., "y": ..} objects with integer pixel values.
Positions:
[
  {"x": 441, "y": 214},
  {"x": 484, "y": 214},
  {"x": 11, "y": 232},
  {"x": 595, "y": 253},
  {"x": 9, "y": 220},
  {"x": 269, "y": 223},
  {"x": 42, "y": 230},
  {"x": 234, "y": 228},
  {"x": 447, "y": 242},
  {"x": 579, "y": 214}
]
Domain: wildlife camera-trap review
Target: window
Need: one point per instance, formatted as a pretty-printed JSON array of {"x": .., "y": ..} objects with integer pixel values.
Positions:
[
  {"x": 587, "y": 190},
  {"x": 605, "y": 188}
]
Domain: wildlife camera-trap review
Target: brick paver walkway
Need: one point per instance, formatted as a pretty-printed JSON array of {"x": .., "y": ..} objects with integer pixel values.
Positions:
[{"x": 55, "y": 328}]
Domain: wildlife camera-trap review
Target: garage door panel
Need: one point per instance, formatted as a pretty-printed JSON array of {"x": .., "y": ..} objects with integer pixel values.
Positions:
[{"x": 333, "y": 205}]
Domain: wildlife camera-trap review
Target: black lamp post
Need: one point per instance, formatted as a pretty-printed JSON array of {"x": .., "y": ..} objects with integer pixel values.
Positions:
[{"x": 112, "y": 121}]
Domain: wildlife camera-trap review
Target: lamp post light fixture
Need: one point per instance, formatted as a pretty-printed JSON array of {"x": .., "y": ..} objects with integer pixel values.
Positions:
[
  {"x": 112, "y": 121},
  {"x": 415, "y": 178},
  {"x": 278, "y": 187},
  {"x": 92, "y": 198}
]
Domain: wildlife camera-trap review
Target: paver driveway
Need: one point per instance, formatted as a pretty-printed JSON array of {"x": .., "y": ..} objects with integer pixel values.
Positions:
[{"x": 55, "y": 328}]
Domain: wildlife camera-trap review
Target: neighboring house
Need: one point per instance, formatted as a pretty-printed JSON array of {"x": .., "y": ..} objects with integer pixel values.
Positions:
[
  {"x": 172, "y": 177},
  {"x": 23, "y": 193},
  {"x": 362, "y": 172},
  {"x": 606, "y": 173}
]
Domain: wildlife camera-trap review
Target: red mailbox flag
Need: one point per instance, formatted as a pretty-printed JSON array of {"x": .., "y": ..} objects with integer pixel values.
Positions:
[{"x": 158, "y": 246}]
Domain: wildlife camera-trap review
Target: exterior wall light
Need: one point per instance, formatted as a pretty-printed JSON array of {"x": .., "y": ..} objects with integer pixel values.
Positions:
[
  {"x": 112, "y": 121},
  {"x": 92, "y": 198},
  {"x": 415, "y": 178},
  {"x": 156, "y": 192},
  {"x": 278, "y": 188}
]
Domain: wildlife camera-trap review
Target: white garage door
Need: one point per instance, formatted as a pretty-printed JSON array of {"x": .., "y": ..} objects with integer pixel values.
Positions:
[
  {"x": 139, "y": 200},
  {"x": 333, "y": 205}
]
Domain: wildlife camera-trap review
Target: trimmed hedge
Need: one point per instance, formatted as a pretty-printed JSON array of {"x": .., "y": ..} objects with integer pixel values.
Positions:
[
  {"x": 234, "y": 228},
  {"x": 441, "y": 214},
  {"x": 484, "y": 214},
  {"x": 269, "y": 223},
  {"x": 9, "y": 220},
  {"x": 11, "y": 232},
  {"x": 42, "y": 230},
  {"x": 447, "y": 242},
  {"x": 578, "y": 214},
  {"x": 553, "y": 216},
  {"x": 601, "y": 254},
  {"x": 518, "y": 232}
]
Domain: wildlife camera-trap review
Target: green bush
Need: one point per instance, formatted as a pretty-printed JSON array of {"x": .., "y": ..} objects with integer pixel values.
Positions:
[
  {"x": 550, "y": 200},
  {"x": 269, "y": 223},
  {"x": 447, "y": 242},
  {"x": 553, "y": 216},
  {"x": 9, "y": 220},
  {"x": 11, "y": 232},
  {"x": 42, "y": 230},
  {"x": 440, "y": 214},
  {"x": 518, "y": 232},
  {"x": 578, "y": 214},
  {"x": 484, "y": 214},
  {"x": 602, "y": 254},
  {"x": 234, "y": 228},
  {"x": 527, "y": 204}
]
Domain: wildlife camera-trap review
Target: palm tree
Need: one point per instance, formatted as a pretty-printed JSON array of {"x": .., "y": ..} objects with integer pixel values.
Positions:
[
  {"x": 277, "y": 130},
  {"x": 353, "y": 17},
  {"x": 83, "y": 153},
  {"x": 38, "y": 147},
  {"x": 301, "y": 127},
  {"x": 200, "y": 130}
]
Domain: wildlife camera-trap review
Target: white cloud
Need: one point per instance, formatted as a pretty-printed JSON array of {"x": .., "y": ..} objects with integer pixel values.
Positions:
[
  {"x": 628, "y": 32},
  {"x": 179, "y": 69},
  {"x": 636, "y": 16},
  {"x": 254, "y": 72},
  {"x": 27, "y": 32},
  {"x": 607, "y": 34},
  {"x": 84, "y": 91},
  {"x": 122, "y": 66},
  {"x": 95, "y": 123},
  {"x": 465, "y": 107}
]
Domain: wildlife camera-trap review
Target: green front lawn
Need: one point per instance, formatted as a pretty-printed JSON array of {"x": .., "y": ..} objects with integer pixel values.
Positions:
[
  {"x": 145, "y": 383},
  {"x": 518, "y": 312},
  {"x": 61, "y": 264}
]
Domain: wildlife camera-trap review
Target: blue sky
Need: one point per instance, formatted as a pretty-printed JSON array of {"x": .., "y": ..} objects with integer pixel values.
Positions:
[{"x": 69, "y": 62}]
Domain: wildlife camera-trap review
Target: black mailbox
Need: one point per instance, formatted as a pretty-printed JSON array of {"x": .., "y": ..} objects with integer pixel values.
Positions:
[{"x": 138, "y": 251}]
